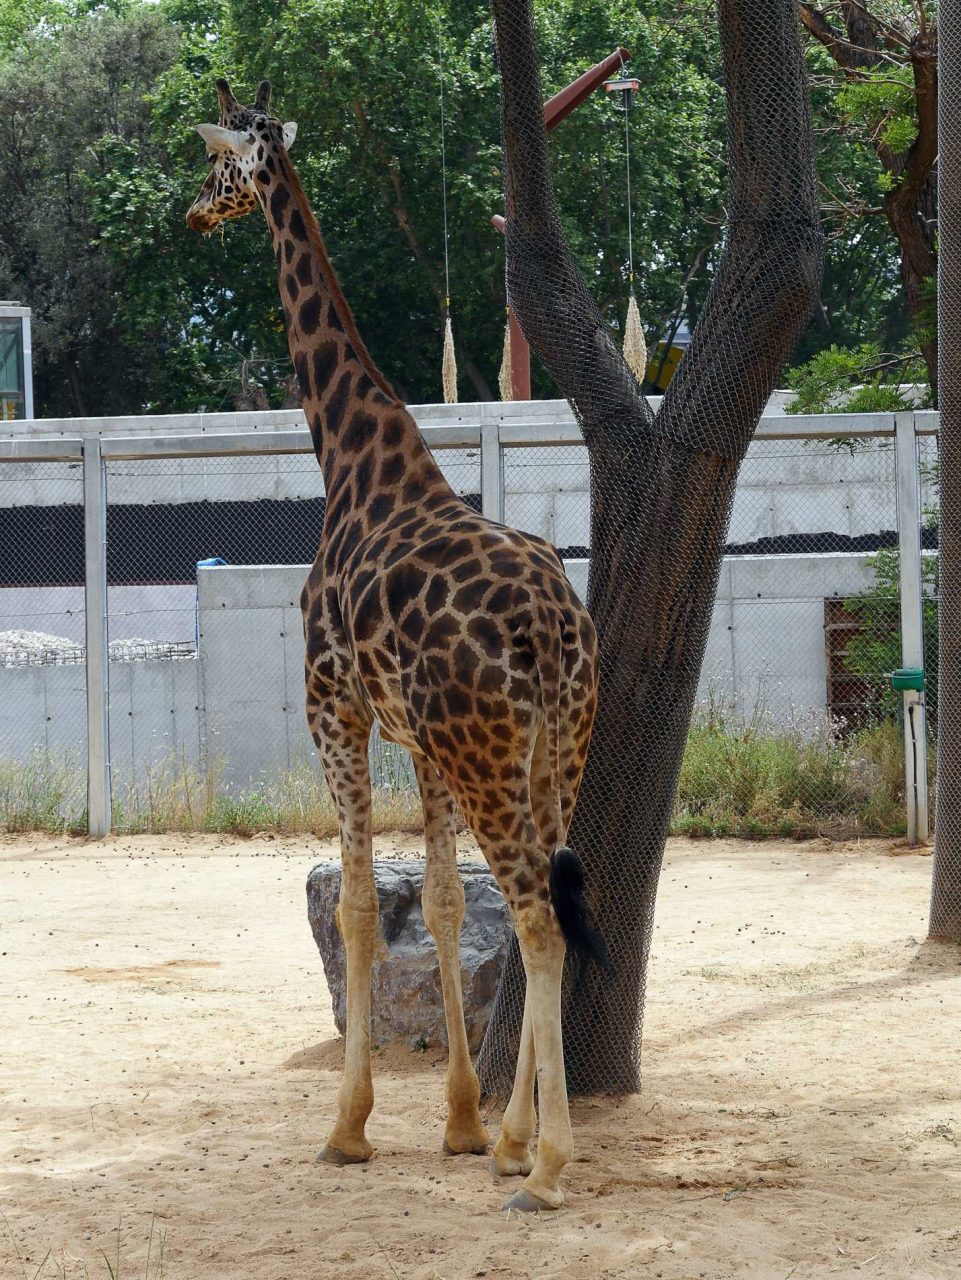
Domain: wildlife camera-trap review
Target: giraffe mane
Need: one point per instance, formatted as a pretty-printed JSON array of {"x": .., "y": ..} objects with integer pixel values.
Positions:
[{"x": 340, "y": 303}]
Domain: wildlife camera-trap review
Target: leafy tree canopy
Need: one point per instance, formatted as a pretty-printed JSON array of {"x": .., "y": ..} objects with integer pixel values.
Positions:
[{"x": 99, "y": 162}]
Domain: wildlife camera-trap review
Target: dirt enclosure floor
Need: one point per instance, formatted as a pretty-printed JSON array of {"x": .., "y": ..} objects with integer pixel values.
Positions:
[{"x": 170, "y": 1066}]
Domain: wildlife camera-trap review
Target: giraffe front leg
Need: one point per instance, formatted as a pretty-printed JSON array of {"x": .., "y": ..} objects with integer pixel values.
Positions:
[
  {"x": 343, "y": 750},
  {"x": 359, "y": 924},
  {"x": 443, "y": 902}
]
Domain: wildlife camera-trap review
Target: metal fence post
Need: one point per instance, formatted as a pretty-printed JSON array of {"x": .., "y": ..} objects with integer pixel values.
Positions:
[
  {"x": 98, "y": 668},
  {"x": 912, "y": 625},
  {"x": 492, "y": 472}
]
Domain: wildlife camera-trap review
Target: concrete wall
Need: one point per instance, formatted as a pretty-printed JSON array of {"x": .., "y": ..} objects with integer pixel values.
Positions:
[
  {"x": 785, "y": 486},
  {"x": 137, "y": 612},
  {"x": 785, "y": 489},
  {"x": 765, "y": 650},
  {"x": 252, "y": 663},
  {"x": 155, "y": 713},
  {"x": 241, "y": 703}
]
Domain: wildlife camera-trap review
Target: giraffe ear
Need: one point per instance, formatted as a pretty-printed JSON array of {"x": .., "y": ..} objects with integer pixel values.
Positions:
[
  {"x": 219, "y": 139},
  {"x": 290, "y": 132}
]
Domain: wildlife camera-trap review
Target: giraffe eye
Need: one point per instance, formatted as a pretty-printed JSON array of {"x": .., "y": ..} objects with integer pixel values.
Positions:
[{"x": 211, "y": 160}]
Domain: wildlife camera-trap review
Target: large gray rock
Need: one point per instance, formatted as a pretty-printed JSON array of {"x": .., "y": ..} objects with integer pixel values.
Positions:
[{"x": 407, "y": 1003}]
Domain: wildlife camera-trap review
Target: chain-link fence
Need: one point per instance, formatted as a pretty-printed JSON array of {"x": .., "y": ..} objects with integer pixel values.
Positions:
[
  {"x": 206, "y": 559},
  {"x": 42, "y": 670}
]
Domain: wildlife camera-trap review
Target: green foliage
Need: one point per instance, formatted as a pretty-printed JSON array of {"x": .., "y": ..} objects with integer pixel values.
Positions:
[
  {"x": 99, "y": 161},
  {"x": 71, "y": 98},
  {"x": 881, "y": 104},
  {"x": 853, "y": 380},
  {"x": 757, "y": 779},
  {"x": 865, "y": 119},
  {"x": 133, "y": 312}
]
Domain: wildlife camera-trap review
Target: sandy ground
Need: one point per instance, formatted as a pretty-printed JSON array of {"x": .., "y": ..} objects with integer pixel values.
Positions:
[{"x": 169, "y": 1063}]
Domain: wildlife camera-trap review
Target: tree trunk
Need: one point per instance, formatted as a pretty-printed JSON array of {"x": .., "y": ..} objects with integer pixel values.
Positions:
[
  {"x": 73, "y": 382},
  {"x": 946, "y": 883},
  {"x": 913, "y": 222},
  {"x": 661, "y": 490}
]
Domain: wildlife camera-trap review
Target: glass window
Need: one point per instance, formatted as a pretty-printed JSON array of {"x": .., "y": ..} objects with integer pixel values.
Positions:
[{"x": 11, "y": 368}]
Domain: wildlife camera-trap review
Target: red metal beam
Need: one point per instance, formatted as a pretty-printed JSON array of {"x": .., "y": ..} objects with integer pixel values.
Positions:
[
  {"x": 555, "y": 110},
  {"x": 563, "y": 103}
]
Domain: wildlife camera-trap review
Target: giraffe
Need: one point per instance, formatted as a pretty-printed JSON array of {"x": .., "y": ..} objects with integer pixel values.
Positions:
[{"x": 464, "y": 641}]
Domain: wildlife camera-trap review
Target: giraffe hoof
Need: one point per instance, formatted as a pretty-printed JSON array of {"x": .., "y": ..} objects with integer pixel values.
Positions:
[
  {"x": 525, "y": 1201},
  {"x": 330, "y": 1155},
  {"x": 477, "y": 1149}
]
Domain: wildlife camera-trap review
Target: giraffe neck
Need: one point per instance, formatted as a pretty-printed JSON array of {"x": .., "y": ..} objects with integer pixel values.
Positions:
[{"x": 355, "y": 417}]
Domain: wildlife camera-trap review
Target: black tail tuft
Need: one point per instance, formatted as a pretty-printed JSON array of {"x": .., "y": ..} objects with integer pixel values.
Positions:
[{"x": 567, "y": 896}]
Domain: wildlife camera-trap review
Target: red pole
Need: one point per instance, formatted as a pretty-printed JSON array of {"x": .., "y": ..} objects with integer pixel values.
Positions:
[
  {"x": 555, "y": 110},
  {"x": 563, "y": 103}
]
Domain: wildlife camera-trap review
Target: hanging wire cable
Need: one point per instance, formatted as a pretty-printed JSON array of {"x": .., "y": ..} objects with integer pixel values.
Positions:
[
  {"x": 630, "y": 212},
  {"x": 449, "y": 364},
  {"x": 443, "y": 167}
]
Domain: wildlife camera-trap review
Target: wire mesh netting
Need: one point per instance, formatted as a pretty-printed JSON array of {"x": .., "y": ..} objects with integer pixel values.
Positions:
[
  {"x": 43, "y": 733},
  {"x": 206, "y": 559},
  {"x": 946, "y": 886},
  {"x": 800, "y": 738},
  {"x": 661, "y": 487},
  {"x": 547, "y": 492},
  {"x": 930, "y": 493}
]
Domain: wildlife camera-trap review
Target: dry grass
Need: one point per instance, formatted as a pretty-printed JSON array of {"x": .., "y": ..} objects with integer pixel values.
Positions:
[
  {"x": 43, "y": 794},
  {"x": 749, "y": 780},
  {"x": 755, "y": 779},
  {"x": 115, "y": 1266}
]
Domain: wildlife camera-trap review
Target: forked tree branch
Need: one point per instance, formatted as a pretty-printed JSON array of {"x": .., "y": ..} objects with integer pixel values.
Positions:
[
  {"x": 769, "y": 274},
  {"x": 556, "y": 311}
]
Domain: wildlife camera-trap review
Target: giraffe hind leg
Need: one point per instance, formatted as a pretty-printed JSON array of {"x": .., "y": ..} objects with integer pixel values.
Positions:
[
  {"x": 512, "y": 1153},
  {"x": 522, "y": 869},
  {"x": 542, "y": 950}
]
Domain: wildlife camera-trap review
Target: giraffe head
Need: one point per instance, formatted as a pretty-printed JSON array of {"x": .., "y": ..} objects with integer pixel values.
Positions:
[{"x": 245, "y": 139}]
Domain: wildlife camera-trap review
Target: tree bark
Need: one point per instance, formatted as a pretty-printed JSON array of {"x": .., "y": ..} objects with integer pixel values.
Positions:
[
  {"x": 73, "y": 382},
  {"x": 945, "y": 921},
  {"x": 661, "y": 489}
]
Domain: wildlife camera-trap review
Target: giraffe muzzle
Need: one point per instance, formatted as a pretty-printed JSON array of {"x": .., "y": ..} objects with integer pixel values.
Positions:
[{"x": 200, "y": 218}]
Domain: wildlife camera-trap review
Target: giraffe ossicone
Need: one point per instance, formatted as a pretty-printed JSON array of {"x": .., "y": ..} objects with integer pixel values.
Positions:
[{"x": 462, "y": 638}]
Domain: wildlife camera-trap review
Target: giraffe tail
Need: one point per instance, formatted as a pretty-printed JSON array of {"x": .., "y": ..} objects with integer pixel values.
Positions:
[
  {"x": 566, "y": 880},
  {"x": 570, "y": 907}
]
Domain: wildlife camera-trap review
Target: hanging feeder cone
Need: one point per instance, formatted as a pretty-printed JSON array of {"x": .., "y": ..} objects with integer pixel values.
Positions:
[
  {"x": 504, "y": 378},
  {"x": 449, "y": 365},
  {"x": 635, "y": 348}
]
